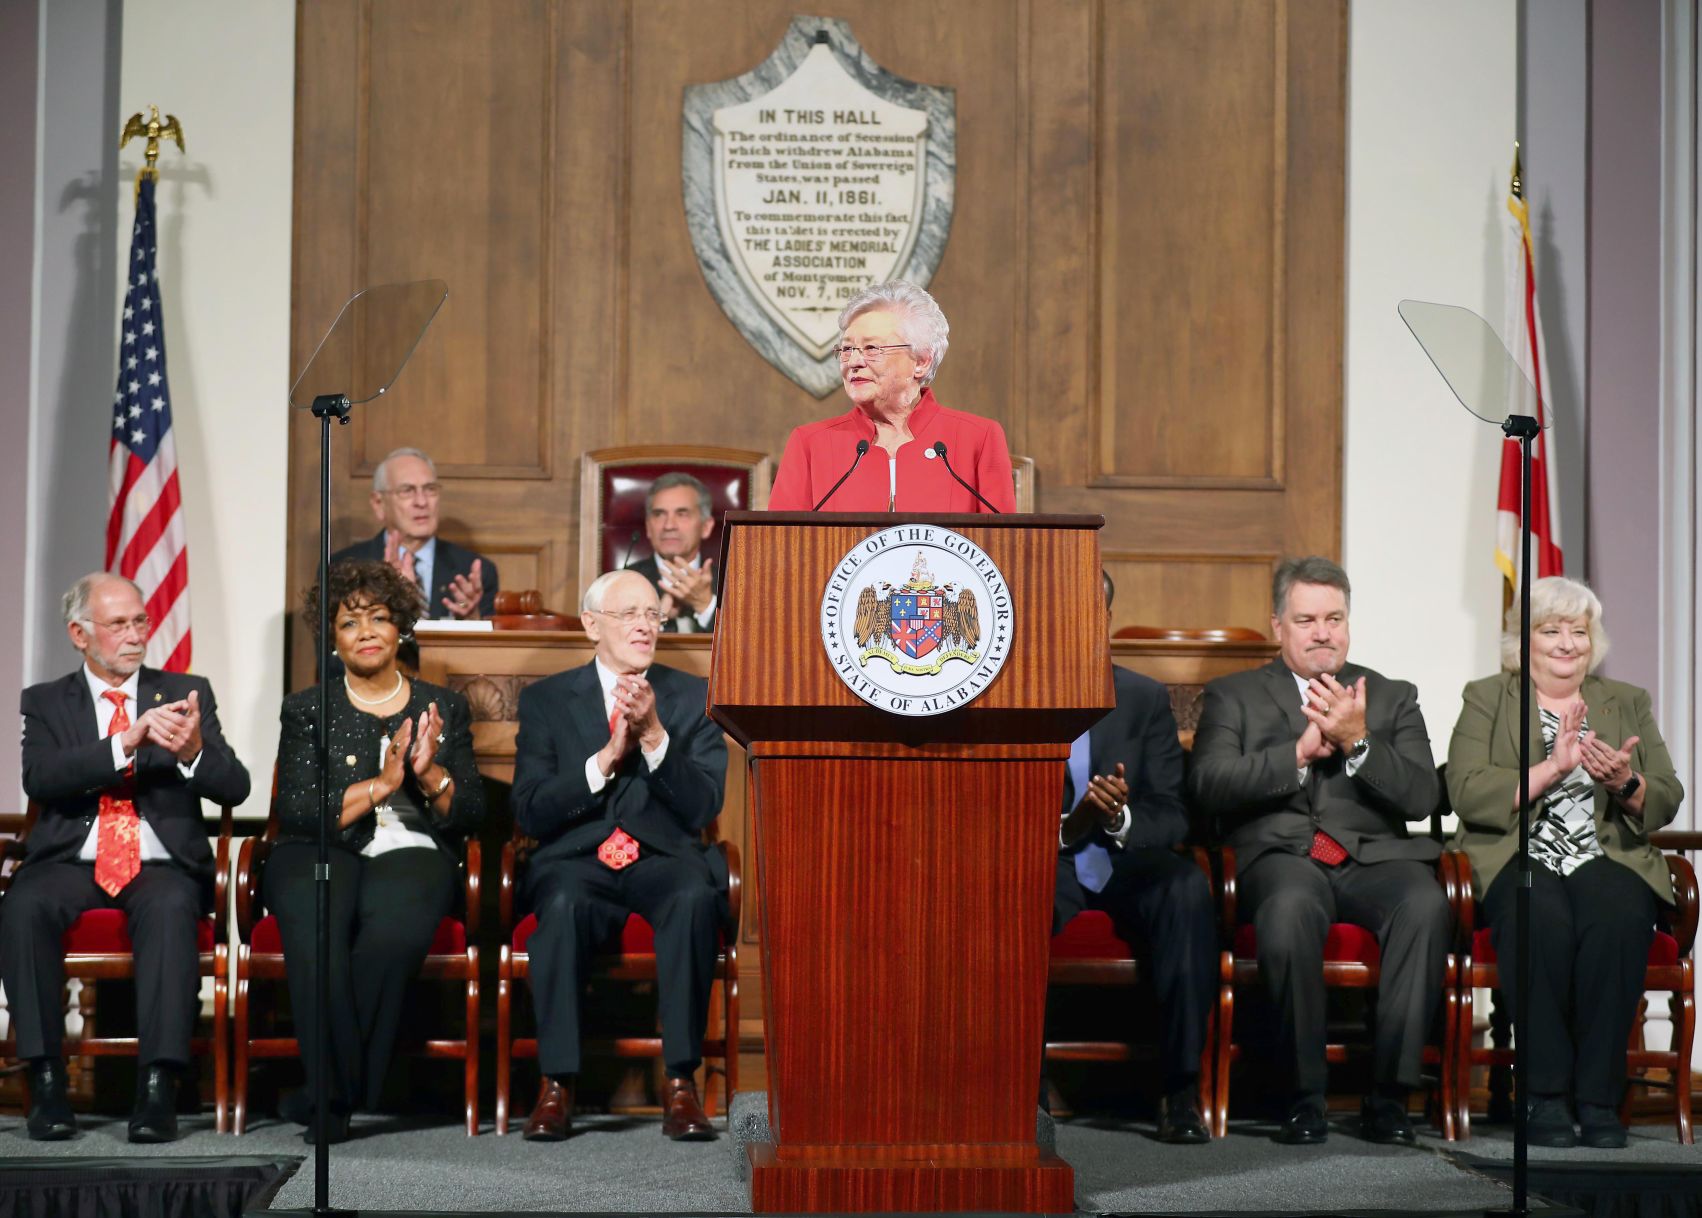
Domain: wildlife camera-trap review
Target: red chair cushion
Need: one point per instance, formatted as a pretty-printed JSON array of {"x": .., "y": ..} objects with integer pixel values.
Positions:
[
  {"x": 450, "y": 940},
  {"x": 1346, "y": 944},
  {"x": 636, "y": 937},
  {"x": 107, "y": 932},
  {"x": 623, "y": 490},
  {"x": 1663, "y": 952},
  {"x": 1090, "y": 935}
]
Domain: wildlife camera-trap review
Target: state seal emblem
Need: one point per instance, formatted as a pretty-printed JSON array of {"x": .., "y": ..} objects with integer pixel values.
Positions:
[{"x": 916, "y": 620}]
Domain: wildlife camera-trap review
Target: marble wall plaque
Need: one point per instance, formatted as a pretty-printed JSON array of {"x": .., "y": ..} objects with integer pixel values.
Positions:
[{"x": 808, "y": 178}]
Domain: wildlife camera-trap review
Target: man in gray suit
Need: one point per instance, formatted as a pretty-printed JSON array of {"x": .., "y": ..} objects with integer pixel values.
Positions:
[{"x": 1311, "y": 767}]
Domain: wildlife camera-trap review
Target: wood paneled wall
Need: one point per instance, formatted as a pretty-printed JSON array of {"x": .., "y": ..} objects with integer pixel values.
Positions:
[{"x": 1144, "y": 275}]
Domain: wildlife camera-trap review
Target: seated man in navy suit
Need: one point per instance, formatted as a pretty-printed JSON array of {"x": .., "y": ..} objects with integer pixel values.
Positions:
[
  {"x": 617, "y": 773},
  {"x": 456, "y": 582},
  {"x": 118, "y": 757},
  {"x": 1122, "y": 819}
]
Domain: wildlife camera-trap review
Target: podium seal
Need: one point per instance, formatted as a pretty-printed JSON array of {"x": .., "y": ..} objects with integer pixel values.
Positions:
[{"x": 916, "y": 620}]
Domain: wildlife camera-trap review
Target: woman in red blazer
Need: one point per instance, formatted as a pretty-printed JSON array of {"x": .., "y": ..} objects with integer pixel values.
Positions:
[{"x": 897, "y": 448}]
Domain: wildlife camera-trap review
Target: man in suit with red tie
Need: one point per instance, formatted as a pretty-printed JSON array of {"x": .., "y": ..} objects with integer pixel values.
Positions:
[
  {"x": 1311, "y": 768},
  {"x": 118, "y": 758},
  {"x": 617, "y": 773}
]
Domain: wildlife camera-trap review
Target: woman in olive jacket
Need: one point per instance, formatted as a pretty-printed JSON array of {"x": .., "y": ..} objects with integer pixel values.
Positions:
[{"x": 1603, "y": 783}]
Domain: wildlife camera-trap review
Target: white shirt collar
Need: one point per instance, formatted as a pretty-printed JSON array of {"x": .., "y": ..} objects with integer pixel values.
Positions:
[{"x": 98, "y": 687}]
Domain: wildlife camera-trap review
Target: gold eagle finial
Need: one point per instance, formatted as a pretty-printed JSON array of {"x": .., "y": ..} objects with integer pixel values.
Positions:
[{"x": 153, "y": 131}]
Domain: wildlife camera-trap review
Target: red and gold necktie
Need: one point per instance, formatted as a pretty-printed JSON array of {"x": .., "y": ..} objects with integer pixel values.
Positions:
[
  {"x": 118, "y": 845},
  {"x": 619, "y": 849}
]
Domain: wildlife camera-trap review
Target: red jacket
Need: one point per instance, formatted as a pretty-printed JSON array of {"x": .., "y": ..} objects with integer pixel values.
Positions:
[{"x": 818, "y": 453}]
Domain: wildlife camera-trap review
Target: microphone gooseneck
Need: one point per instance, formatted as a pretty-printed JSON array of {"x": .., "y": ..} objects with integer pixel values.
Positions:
[
  {"x": 862, "y": 447},
  {"x": 940, "y": 449},
  {"x": 631, "y": 544}
]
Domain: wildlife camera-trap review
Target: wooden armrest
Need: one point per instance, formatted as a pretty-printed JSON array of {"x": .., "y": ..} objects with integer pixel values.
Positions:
[
  {"x": 1454, "y": 869},
  {"x": 505, "y": 893},
  {"x": 221, "y": 877},
  {"x": 250, "y": 862},
  {"x": 735, "y": 888},
  {"x": 473, "y": 864},
  {"x": 1226, "y": 891},
  {"x": 1685, "y": 901}
]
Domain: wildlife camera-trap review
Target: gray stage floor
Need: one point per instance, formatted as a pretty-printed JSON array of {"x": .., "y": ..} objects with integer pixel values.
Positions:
[{"x": 624, "y": 1164}]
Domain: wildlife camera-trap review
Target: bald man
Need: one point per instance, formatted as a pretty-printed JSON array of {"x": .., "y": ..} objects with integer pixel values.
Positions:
[{"x": 617, "y": 773}]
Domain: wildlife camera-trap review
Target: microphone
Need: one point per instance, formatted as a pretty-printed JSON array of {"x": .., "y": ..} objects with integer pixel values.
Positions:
[
  {"x": 862, "y": 447},
  {"x": 631, "y": 543},
  {"x": 940, "y": 448}
]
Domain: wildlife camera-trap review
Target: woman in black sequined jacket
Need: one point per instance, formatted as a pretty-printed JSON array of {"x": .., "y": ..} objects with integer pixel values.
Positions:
[{"x": 406, "y": 793}]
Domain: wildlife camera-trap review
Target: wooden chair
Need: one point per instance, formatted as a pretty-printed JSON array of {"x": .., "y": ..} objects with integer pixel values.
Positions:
[
  {"x": 453, "y": 957},
  {"x": 1190, "y": 634},
  {"x": 631, "y": 957},
  {"x": 1671, "y": 969},
  {"x": 614, "y": 481},
  {"x": 97, "y": 948},
  {"x": 1089, "y": 952},
  {"x": 525, "y": 611},
  {"x": 1022, "y": 473},
  {"x": 1352, "y": 961}
]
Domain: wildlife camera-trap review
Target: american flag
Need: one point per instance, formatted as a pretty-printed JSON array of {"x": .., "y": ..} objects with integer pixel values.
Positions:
[{"x": 144, "y": 530}]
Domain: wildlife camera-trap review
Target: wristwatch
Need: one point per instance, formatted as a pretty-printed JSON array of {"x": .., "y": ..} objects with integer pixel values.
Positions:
[
  {"x": 1630, "y": 787},
  {"x": 1359, "y": 749}
]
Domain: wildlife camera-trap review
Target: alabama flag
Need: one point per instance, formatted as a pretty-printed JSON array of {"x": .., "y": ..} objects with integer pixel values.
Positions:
[{"x": 1523, "y": 333}]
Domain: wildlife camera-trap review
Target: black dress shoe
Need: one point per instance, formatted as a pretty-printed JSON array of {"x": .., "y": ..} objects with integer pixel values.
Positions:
[
  {"x": 1304, "y": 1125},
  {"x": 1384, "y": 1120},
  {"x": 1549, "y": 1123},
  {"x": 1599, "y": 1127},
  {"x": 155, "y": 1117},
  {"x": 51, "y": 1118},
  {"x": 552, "y": 1115},
  {"x": 1179, "y": 1120}
]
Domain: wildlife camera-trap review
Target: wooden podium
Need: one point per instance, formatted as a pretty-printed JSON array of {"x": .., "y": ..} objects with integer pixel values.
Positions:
[{"x": 907, "y": 868}]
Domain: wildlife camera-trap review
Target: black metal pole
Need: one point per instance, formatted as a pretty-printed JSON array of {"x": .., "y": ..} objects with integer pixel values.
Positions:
[
  {"x": 325, "y": 408},
  {"x": 1523, "y": 428}
]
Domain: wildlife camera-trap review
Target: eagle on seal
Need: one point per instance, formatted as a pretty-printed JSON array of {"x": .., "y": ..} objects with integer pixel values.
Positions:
[
  {"x": 874, "y": 616},
  {"x": 962, "y": 617}
]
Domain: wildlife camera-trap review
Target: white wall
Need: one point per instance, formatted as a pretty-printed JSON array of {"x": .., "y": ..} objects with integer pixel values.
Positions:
[
  {"x": 1432, "y": 103},
  {"x": 228, "y": 72}
]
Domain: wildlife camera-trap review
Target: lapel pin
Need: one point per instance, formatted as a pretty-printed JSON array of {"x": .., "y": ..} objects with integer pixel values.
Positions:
[{"x": 157, "y": 695}]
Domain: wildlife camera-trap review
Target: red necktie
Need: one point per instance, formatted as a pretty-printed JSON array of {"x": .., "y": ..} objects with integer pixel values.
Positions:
[
  {"x": 1327, "y": 850},
  {"x": 618, "y": 849},
  {"x": 118, "y": 844}
]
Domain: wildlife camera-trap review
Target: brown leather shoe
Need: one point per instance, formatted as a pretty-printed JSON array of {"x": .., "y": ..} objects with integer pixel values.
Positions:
[
  {"x": 552, "y": 1115},
  {"x": 683, "y": 1118}
]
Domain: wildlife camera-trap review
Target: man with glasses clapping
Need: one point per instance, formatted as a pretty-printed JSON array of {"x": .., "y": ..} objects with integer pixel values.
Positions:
[
  {"x": 617, "y": 773},
  {"x": 118, "y": 758},
  {"x": 455, "y": 581}
]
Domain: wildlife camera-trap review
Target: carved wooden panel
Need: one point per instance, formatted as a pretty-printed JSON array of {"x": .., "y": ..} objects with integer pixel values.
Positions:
[{"x": 1144, "y": 274}]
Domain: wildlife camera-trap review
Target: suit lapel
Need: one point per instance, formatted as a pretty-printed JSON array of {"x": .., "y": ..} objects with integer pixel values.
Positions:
[
  {"x": 585, "y": 708},
  {"x": 80, "y": 707},
  {"x": 1280, "y": 684}
]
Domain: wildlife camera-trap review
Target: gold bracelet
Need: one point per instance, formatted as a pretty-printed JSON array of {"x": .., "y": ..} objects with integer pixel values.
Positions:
[{"x": 371, "y": 799}]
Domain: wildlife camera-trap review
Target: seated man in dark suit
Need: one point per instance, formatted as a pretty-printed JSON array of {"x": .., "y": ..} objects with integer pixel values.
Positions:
[
  {"x": 679, "y": 516},
  {"x": 1116, "y": 854},
  {"x": 456, "y": 582},
  {"x": 1311, "y": 767},
  {"x": 119, "y": 758},
  {"x": 617, "y": 773}
]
